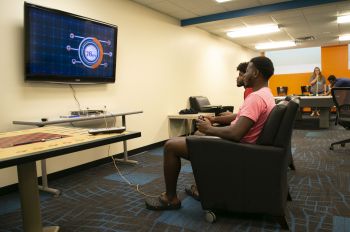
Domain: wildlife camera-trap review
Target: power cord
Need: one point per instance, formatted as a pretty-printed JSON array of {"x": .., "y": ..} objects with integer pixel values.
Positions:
[
  {"x": 75, "y": 97},
  {"x": 136, "y": 186}
]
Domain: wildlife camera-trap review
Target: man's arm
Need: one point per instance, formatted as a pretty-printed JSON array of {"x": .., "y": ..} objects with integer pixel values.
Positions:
[
  {"x": 232, "y": 132},
  {"x": 223, "y": 120},
  {"x": 324, "y": 88}
]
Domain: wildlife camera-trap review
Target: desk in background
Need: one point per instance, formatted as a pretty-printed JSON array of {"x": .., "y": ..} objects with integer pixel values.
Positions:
[
  {"x": 323, "y": 103},
  {"x": 181, "y": 124},
  {"x": 25, "y": 157}
]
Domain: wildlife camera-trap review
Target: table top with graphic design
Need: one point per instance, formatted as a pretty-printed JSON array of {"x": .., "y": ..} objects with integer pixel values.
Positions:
[{"x": 39, "y": 143}]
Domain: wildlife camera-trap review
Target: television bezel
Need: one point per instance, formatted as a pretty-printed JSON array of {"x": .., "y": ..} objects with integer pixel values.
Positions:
[{"x": 58, "y": 78}]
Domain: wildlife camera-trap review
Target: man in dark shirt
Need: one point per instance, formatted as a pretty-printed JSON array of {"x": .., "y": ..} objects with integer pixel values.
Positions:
[{"x": 338, "y": 82}]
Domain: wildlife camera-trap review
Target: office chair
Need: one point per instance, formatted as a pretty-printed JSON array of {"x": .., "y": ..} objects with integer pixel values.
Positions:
[
  {"x": 305, "y": 90},
  {"x": 282, "y": 90},
  {"x": 202, "y": 104},
  {"x": 246, "y": 178},
  {"x": 341, "y": 99}
]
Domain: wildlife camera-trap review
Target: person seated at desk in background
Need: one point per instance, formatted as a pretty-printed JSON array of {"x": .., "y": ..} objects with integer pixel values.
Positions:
[
  {"x": 245, "y": 128},
  {"x": 318, "y": 87},
  {"x": 241, "y": 68},
  {"x": 337, "y": 82}
]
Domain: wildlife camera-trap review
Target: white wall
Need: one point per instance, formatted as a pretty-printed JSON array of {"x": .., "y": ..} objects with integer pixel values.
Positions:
[
  {"x": 300, "y": 60},
  {"x": 159, "y": 65}
]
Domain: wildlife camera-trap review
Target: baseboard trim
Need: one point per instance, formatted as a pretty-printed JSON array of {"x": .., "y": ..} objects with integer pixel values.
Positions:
[{"x": 14, "y": 187}]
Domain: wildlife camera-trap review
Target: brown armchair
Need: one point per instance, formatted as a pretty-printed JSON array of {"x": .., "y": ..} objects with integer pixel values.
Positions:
[{"x": 246, "y": 178}]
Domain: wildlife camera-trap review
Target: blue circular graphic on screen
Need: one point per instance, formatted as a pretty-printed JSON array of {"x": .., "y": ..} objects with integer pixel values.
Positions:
[{"x": 90, "y": 52}]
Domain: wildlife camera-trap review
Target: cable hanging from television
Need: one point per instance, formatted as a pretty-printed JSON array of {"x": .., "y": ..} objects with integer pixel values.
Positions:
[{"x": 75, "y": 97}]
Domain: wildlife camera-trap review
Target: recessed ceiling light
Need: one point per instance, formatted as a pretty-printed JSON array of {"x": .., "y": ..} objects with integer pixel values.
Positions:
[
  {"x": 221, "y": 1},
  {"x": 343, "y": 19},
  {"x": 251, "y": 31},
  {"x": 344, "y": 37},
  {"x": 272, "y": 45}
]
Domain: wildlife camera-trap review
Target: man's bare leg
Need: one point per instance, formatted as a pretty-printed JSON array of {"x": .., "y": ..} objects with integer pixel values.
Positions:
[{"x": 174, "y": 150}]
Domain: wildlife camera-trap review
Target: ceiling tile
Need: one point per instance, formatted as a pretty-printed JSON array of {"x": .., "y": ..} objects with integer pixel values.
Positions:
[
  {"x": 241, "y": 4},
  {"x": 287, "y": 14},
  {"x": 344, "y": 28},
  {"x": 287, "y": 22},
  {"x": 319, "y": 10},
  {"x": 172, "y": 10},
  {"x": 146, "y": 2},
  {"x": 257, "y": 20}
]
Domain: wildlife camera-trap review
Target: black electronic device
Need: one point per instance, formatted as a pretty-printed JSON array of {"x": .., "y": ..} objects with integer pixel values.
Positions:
[
  {"x": 87, "y": 112},
  {"x": 67, "y": 48},
  {"x": 107, "y": 130}
]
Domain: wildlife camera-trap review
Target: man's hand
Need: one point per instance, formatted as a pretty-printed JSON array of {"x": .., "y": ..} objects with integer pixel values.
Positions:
[
  {"x": 203, "y": 124},
  {"x": 210, "y": 118}
]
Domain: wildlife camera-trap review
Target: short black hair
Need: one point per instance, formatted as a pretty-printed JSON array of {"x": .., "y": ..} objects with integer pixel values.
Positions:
[
  {"x": 331, "y": 78},
  {"x": 242, "y": 67},
  {"x": 264, "y": 65}
]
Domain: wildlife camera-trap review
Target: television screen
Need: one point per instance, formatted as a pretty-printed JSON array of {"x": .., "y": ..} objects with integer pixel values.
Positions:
[{"x": 63, "y": 47}]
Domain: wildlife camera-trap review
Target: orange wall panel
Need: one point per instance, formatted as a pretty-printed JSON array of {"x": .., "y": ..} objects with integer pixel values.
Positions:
[
  {"x": 293, "y": 81},
  {"x": 335, "y": 61}
]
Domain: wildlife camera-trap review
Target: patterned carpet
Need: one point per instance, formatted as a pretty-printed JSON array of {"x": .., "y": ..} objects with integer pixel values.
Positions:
[{"x": 98, "y": 199}]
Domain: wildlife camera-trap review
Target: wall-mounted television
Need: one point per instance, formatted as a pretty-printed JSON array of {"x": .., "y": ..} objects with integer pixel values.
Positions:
[{"x": 67, "y": 48}]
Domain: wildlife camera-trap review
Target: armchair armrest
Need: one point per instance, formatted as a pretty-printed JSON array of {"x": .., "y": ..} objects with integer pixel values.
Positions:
[{"x": 253, "y": 175}]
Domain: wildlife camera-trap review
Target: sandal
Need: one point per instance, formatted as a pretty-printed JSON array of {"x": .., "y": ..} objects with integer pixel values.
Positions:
[
  {"x": 192, "y": 191},
  {"x": 161, "y": 203}
]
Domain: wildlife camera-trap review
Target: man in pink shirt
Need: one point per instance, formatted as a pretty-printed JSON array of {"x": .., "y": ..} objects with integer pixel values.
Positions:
[
  {"x": 246, "y": 127},
  {"x": 226, "y": 118}
]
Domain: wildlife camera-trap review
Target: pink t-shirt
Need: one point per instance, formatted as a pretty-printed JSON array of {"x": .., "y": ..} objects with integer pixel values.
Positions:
[{"x": 257, "y": 106}]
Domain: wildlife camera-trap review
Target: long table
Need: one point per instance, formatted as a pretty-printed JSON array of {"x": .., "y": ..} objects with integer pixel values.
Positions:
[
  {"x": 40, "y": 123},
  {"x": 25, "y": 156},
  {"x": 323, "y": 103}
]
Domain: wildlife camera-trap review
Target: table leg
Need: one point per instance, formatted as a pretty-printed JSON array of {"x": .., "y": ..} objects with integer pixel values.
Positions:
[
  {"x": 324, "y": 118},
  {"x": 299, "y": 115},
  {"x": 126, "y": 158},
  {"x": 45, "y": 186},
  {"x": 30, "y": 202}
]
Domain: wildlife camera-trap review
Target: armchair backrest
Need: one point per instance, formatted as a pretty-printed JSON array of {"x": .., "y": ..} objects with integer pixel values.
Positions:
[
  {"x": 197, "y": 103},
  {"x": 341, "y": 99},
  {"x": 278, "y": 128}
]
